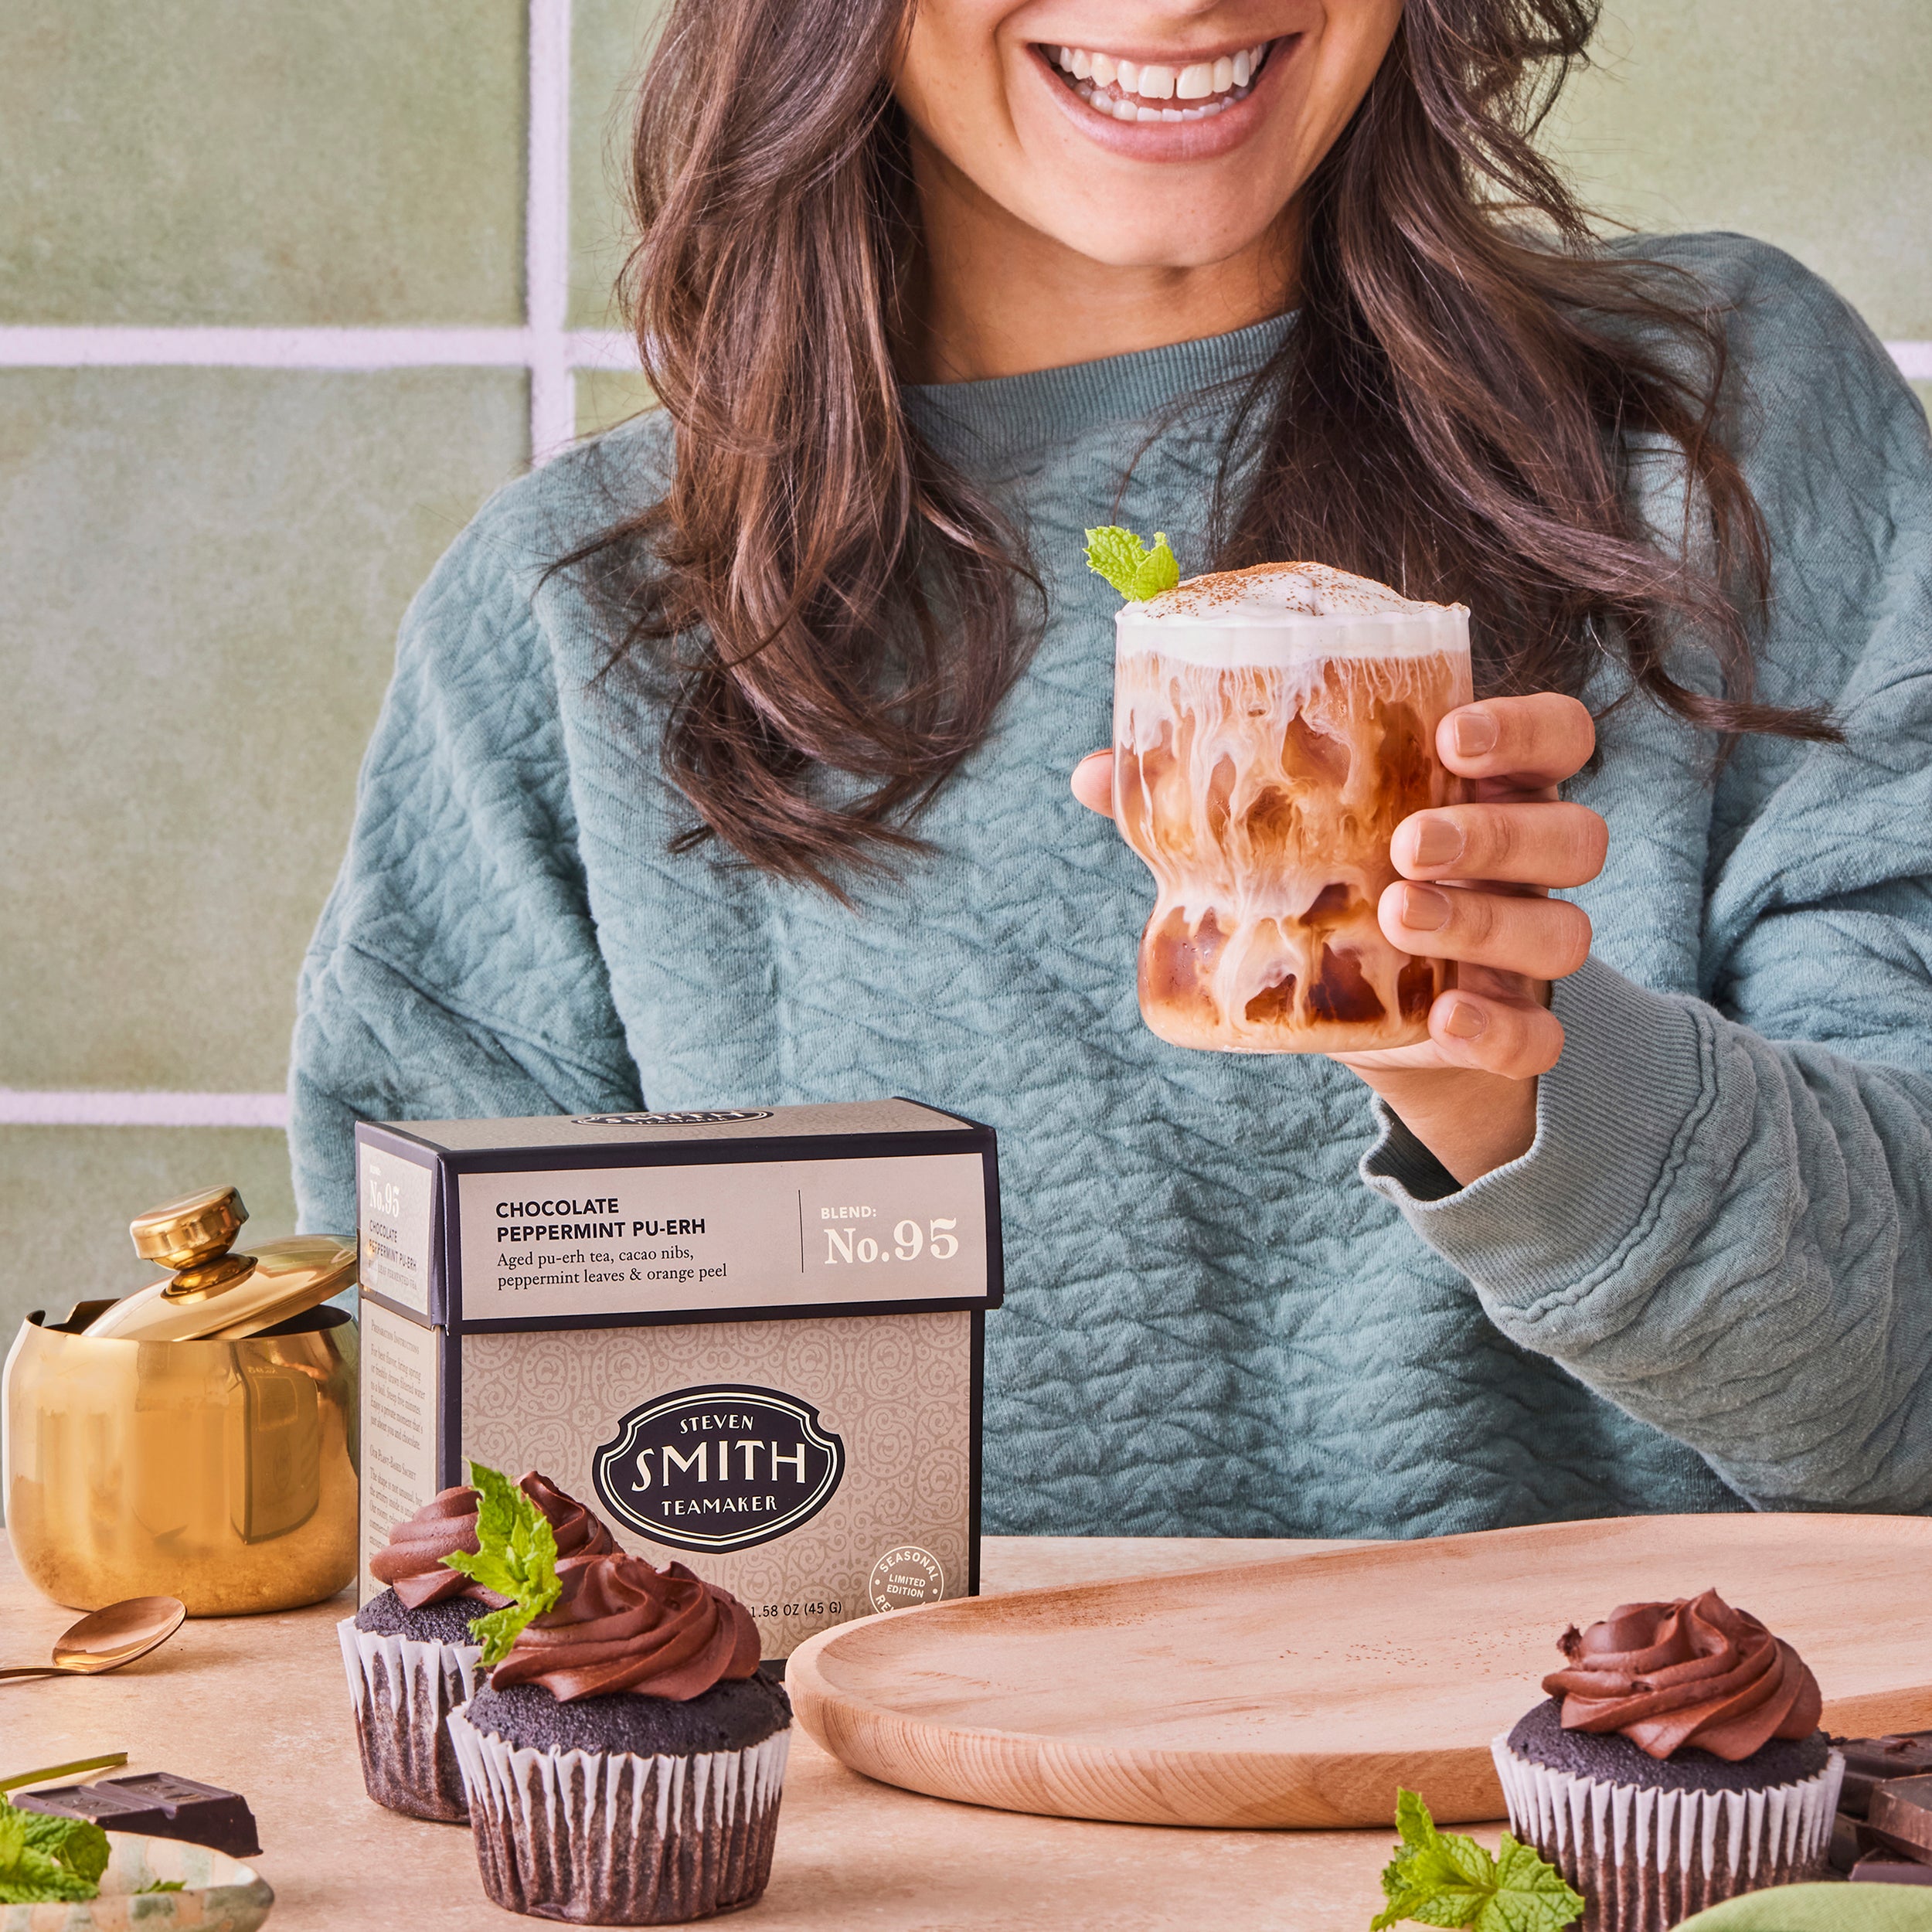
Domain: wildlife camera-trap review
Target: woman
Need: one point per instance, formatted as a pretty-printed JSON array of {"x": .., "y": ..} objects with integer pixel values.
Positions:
[{"x": 726, "y": 760}]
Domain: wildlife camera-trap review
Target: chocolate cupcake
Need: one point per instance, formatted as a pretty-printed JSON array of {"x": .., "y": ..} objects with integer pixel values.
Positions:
[
  {"x": 410, "y": 1655},
  {"x": 1676, "y": 1763},
  {"x": 625, "y": 1762}
]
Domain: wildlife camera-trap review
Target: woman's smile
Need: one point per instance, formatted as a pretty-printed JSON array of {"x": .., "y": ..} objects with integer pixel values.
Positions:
[
  {"x": 1153, "y": 109},
  {"x": 1169, "y": 91}
]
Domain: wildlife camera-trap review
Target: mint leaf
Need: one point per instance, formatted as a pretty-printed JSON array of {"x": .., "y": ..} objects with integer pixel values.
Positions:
[
  {"x": 515, "y": 1557},
  {"x": 33, "y": 1874},
  {"x": 1445, "y": 1878},
  {"x": 76, "y": 1843},
  {"x": 1531, "y": 1895},
  {"x": 497, "y": 1632},
  {"x": 1127, "y": 563}
]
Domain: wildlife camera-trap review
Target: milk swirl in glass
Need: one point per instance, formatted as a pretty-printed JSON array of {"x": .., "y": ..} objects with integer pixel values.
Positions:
[{"x": 1272, "y": 727}]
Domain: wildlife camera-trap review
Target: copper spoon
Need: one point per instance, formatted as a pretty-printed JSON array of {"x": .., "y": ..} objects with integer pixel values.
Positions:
[{"x": 104, "y": 1640}]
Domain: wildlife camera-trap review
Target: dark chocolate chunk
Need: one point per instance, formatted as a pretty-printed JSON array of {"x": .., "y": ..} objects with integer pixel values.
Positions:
[
  {"x": 730, "y": 1717},
  {"x": 1614, "y": 1760},
  {"x": 1880, "y": 1871},
  {"x": 1876, "y": 1844},
  {"x": 1869, "y": 1761},
  {"x": 159, "y": 1805},
  {"x": 1900, "y": 1812},
  {"x": 448, "y": 1622},
  {"x": 1846, "y": 1850}
]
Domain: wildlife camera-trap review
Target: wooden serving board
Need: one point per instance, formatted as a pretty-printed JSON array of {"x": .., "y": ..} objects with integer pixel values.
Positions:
[{"x": 1302, "y": 1690}]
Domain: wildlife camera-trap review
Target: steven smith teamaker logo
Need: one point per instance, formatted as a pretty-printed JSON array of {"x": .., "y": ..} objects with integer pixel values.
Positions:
[{"x": 723, "y": 1466}]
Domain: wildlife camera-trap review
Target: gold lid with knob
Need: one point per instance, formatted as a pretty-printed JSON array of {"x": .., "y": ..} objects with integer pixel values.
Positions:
[
  {"x": 196, "y": 1228},
  {"x": 212, "y": 1295}
]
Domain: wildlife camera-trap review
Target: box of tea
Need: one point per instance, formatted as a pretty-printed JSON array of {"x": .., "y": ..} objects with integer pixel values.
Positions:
[{"x": 749, "y": 1338}]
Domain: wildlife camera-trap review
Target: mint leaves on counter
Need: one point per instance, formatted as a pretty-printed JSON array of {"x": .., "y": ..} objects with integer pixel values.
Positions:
[
  {"x": 1442, "y": 1878},
  {"x": 516, "y": 1557},
  {"x": 1127, "y": 563},
  {"x": 44, "y": 1859}
]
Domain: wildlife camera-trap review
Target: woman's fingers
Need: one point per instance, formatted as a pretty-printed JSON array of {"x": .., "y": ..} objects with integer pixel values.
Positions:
[
  {"x": 1540, "y": 938},
  {"x": 1554, "y": 845},
  {"x": 1518, "y": 1038},
  {"x": 1525, "y": 742},
  {"x": 1093, "y": 782}
]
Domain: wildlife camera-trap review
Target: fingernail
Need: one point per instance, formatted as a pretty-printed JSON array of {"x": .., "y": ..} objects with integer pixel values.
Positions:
[
  {"x": 1424, "y": 908},
  {"x": 1438, "y": 841},
  {"x": 1465, "y": 1020},
  {"x": 1475, "y": 732}
]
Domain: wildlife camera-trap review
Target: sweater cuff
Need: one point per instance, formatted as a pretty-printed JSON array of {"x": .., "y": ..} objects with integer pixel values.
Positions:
[{"x": 1614, "y": 1117}]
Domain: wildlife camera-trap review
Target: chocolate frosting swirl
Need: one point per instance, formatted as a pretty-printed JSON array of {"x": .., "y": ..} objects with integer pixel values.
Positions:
[
  {"x": 411, "y": 1563},
  {"x": 1693, "y": 1672},
  {"x": 622, "y": 1624}
]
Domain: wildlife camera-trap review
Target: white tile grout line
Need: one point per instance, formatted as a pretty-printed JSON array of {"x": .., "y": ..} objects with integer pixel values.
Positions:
[
  {"x": 36, "y": 346},
  {"x": 29, "y": 346},
  {"x": 546, "y": 233},
  {"x": 25, "y": 1107}
]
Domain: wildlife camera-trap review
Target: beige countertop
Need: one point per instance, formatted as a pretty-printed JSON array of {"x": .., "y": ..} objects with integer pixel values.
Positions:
[{"x": 259, "y": 1704}]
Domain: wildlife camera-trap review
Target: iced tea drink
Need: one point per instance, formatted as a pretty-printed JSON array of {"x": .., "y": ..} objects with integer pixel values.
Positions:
[{"x": 1272, "y": 727}]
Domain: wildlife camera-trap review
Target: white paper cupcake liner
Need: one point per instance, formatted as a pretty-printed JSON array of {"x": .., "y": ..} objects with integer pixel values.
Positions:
[
  {"x": 404, "y": 1688},
  {"x": 1646, "y": 1859},
  {"x": 613, "y": 1838}
]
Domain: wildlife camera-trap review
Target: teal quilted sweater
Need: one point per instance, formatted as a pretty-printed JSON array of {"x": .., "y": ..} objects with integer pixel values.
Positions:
[{"x": 1241, "y": 1301}]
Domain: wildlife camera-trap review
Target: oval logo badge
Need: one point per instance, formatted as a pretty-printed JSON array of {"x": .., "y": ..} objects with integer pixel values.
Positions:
[{"x": 720, "y": 1467}]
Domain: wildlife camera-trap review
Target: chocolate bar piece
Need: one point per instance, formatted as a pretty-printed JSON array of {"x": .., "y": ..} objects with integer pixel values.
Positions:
[
  {"x": 1870, "y": 1761},
  {"x": 159, "y": 1804},
  {"x": 1847, "y": 1848},
  {"x": 1881, "y": 1871},
  {"x": 1900, "y": 1810}
]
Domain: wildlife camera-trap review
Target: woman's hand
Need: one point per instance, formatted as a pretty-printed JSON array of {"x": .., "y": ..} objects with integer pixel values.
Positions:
[{"x": 1481, "y": 875}]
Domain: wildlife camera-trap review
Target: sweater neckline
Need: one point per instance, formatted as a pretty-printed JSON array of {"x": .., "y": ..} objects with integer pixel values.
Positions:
[{"x": 1011, "y": 416}]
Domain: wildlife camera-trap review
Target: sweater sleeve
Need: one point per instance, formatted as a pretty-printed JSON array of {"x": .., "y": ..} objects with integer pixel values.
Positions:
[
  {"x": 1724, "y": 1223},
  {"x": 455, "y": 973}
]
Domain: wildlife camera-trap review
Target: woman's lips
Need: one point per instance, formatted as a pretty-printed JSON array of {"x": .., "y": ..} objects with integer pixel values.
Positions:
[{"x": 1166, "y": 139}]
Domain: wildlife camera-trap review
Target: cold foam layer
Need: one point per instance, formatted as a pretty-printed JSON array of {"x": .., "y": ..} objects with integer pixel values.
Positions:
[{"x": 1273, "y": 615}]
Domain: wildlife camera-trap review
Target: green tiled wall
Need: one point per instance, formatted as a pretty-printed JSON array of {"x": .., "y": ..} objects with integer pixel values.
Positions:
[
  {"x": 67, "y": 1194},
  {"x": 1807, "y": 125},
  {"x": 204, "y": 569},
  {"x": 609, "y": 39},
  {"x": 262, "y": 162},
  {"x": 222, "y": 555}
]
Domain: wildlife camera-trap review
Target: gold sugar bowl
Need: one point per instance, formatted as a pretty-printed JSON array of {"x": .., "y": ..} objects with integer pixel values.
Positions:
[{"x": 195, "y": 1439}]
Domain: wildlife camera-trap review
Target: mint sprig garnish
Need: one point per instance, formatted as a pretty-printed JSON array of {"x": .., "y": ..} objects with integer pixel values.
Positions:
[
  {"x": 515, "y": 1557},
  {"x": 1442, "y": 1878},
  {"x": 45, "y": 1860},
  {"x": 1127, "y": 563}
]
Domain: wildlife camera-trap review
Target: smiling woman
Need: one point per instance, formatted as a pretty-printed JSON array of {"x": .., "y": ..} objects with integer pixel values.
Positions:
[{"x": 727, "y": 758}]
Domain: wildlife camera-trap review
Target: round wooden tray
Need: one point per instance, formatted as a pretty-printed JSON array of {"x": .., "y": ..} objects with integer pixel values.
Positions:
[{"x": 1301, "y": 1691}]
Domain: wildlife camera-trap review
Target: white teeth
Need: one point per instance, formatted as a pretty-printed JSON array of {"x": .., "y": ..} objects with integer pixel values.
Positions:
[{"x": 1216, "y": 84}]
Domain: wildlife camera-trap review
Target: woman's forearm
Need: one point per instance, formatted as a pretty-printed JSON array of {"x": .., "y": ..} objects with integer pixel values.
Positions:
[{"x": 1721, "y": 1233}]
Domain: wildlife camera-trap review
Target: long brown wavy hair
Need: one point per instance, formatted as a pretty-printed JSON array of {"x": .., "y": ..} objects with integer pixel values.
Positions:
[{"x": 834, "y": 615}]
